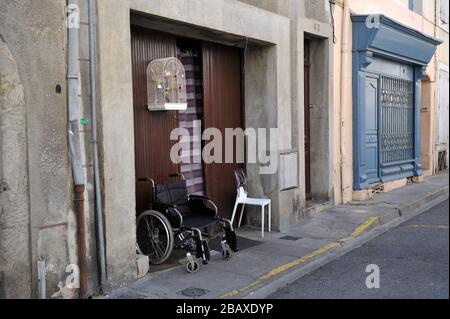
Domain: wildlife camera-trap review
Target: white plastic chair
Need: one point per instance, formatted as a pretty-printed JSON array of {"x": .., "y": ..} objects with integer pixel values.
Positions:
[{"x": 243, "y": 199}]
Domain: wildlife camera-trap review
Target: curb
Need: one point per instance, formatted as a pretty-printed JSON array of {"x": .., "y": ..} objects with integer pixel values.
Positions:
[
  {"x": 411, "y": 208},
  {"x": 385, "y": 223}
]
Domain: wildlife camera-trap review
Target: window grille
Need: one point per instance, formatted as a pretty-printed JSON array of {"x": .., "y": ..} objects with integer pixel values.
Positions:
[{"x": 397, "y": 120}]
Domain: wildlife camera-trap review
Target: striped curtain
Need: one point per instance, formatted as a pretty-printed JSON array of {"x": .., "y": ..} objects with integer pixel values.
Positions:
[{"x": 193, "y": 172}]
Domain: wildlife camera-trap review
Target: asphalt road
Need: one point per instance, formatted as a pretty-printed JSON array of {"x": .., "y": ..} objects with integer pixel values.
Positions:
[{"x": 412, "y": 259}]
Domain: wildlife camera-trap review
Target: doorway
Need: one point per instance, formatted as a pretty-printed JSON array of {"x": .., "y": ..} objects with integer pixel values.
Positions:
[
  {"x": 307, "y": 105},
  {"x": 190, "y": 55},
  {"x": 387, "y": 124},
  {"x": 317, "y": 123},
  {"x": 214, "y": 96}
]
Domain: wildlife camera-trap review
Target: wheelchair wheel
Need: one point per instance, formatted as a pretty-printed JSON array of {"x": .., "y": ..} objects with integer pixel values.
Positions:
[
  {"x": 192, "y": 267},
  {"x": 154, "y": 236},
  {"x": 226, "y": 253}
]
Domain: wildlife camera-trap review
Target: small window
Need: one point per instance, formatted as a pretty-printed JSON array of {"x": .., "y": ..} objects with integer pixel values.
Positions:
[
  {"x": 166, "y": 85},
  {"x": 416, "y": 6},
  {"x": 444, "y": 13}
]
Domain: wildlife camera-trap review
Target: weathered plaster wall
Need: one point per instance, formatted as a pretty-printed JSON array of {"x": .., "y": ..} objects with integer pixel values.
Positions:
[
  {"x": 14, "y": 202},
  {"x": 38, "y": 45}
]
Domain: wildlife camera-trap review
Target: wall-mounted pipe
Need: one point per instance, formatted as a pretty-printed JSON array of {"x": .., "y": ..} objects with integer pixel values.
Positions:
[
  {"x": 42, "y": 277},
  {"x": 81, "y": 238},
  {"x": 73, "y": 71},
  {"x": 98, "y": 196}
]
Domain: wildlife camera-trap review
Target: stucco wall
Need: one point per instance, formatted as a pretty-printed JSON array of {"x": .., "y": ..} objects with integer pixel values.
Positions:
[
  {"x": 15, "y": 265},
  {"x": 38, "y": 46}
]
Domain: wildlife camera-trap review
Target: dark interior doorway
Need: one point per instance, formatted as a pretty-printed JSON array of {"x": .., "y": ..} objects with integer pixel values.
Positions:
[{"x": 307, "y": 117}]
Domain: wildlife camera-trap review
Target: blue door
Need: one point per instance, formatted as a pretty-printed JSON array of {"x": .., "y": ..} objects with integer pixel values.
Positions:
[{"x": 371, "y": 130}]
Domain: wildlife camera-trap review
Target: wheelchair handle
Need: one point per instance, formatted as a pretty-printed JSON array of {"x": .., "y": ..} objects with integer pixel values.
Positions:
[{"x": 149, "y": 180}]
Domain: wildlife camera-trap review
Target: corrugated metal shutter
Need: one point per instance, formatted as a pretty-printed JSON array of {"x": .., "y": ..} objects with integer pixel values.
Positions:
[
  {"x": 152, "y": 129},
  {"x": 222, "y": 109}
]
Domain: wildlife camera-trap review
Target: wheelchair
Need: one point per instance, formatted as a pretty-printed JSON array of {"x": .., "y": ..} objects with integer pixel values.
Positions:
[{"x": 176, "y": 220}]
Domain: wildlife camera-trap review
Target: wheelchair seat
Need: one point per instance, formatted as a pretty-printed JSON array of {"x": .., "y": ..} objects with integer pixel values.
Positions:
[{"x": 199, "y": 221}]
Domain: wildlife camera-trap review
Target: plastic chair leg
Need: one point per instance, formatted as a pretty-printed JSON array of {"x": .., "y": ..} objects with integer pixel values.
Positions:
[
  {"x": 234, "y": 212},
  {"x": 270, "y": 217},
  {"x": 242, "y": 213},
  {"x": 262, "y": 220}
]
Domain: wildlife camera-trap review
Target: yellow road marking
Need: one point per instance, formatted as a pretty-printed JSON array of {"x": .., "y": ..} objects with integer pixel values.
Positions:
[
  {"x": 281, "y": 269},
  {"x": 429, "y": 226},
  {"x": 360, "y": 229},
  {"x": 276, "y": 271}
]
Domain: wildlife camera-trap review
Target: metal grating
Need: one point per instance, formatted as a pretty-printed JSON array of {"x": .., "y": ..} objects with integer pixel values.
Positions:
[
  {"x": 397, "y": 120},
  {"x": 193, "y": 292},
  {"x": 379, "y": 188},
  {"x": 292, "y": 238}
]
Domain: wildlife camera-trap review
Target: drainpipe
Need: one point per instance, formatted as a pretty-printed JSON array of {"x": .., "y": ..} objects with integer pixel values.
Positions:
[
  {"x": 81, "y": 236},
  {"x": 73, "y": 70},
  {"x": 42, "y": 278},
  {"x": 345, "y": 78},
  {"x": 98, "y": 195}
]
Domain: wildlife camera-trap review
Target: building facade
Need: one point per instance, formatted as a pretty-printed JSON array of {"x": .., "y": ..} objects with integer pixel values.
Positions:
[
  {"x": 74, "y": 111},
  {"x": 387, "y": 125}
]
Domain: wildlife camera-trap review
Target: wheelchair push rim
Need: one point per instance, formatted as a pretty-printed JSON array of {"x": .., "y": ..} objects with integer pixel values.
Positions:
[{"x": 154, "y": 236}]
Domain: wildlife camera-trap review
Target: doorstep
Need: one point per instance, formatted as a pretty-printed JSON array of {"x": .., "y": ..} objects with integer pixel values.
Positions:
[{"x": 266, "y": 260}]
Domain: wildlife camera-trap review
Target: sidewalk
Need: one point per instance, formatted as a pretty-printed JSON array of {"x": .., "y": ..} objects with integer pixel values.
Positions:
[{"x": 263, "y": 265}]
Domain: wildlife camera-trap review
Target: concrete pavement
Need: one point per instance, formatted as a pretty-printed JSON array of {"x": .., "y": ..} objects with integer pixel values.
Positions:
[
  {"x": 280, "y": 258},
  {"x": 412, "y": 259}
]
